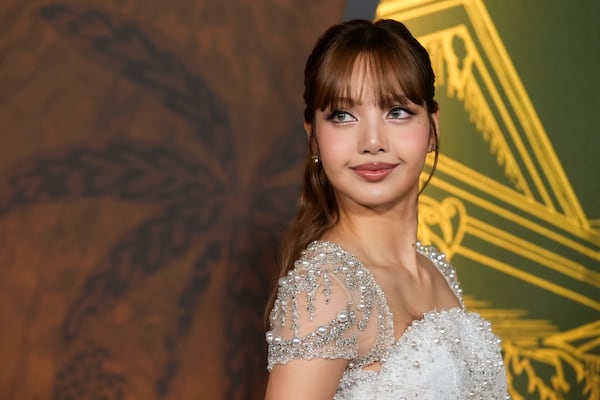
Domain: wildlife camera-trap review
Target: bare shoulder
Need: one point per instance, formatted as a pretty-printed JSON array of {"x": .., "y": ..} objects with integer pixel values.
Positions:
[{"x": 305, "y": 379}]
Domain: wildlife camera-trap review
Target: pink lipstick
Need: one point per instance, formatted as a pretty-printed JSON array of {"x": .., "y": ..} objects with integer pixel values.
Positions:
[{"x": 375, "y": 171}]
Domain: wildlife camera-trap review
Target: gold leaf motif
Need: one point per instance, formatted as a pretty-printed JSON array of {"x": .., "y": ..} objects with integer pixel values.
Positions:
[{"x": 442, "y": 223}]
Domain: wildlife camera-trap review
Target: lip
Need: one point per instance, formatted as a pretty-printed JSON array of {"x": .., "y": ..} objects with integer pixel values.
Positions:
[{"x": 374, "y": 171}]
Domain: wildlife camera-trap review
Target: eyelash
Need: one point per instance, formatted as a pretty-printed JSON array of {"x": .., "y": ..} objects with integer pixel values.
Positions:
[
  {"x": 401, "y": 109},
  {"x": 331, "y": 116}
]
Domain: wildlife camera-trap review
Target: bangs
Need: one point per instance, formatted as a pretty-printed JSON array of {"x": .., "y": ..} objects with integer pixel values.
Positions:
[{"x": 390, "y": 74}]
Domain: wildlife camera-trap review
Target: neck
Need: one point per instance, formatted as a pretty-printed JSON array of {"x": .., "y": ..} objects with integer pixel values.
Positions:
[{"x": 383, "y": 238}]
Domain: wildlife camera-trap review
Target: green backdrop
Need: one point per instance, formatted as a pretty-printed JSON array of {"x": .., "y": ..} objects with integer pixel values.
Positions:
[{"x": 514, "y": 200}]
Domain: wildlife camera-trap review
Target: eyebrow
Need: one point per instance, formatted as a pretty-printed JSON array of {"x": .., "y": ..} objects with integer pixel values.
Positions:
[
  {"x": 347, "y": 101},
  {"x": 388, "y": 101}
]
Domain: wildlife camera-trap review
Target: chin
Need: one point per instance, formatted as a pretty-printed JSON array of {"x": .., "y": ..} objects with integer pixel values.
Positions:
[{"x": 377, "y": 203}]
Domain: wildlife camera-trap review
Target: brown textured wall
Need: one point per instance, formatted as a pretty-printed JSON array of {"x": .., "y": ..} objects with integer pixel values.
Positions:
[{"x": 149, "y": 156}]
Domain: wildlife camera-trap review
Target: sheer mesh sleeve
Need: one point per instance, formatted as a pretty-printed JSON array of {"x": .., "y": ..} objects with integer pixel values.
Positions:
[{"x": 313, "y": 317}]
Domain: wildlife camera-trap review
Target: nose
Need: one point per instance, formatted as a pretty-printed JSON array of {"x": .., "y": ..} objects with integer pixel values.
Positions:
[{"x": 372, "y": 138}]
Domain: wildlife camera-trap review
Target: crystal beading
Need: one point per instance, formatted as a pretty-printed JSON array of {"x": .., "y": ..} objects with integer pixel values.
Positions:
[{"x": 449, "y": 354}]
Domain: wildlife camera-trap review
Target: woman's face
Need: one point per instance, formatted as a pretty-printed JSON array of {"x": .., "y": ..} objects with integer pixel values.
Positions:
[{"x": 372, "y": 155}]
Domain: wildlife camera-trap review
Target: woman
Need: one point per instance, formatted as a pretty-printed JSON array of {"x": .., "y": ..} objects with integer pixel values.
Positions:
[{"x": 363, "y": 310}]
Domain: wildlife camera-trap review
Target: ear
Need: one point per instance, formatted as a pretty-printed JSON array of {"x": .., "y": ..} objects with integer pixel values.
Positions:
[
  {"x": 308, "y": 130},
  {"x": 434, "y": 119},
  {"x": 312, "y": 141}
]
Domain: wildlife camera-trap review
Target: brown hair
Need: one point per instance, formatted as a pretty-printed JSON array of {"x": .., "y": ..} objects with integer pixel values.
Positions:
[{"x": 400, "y": 68}]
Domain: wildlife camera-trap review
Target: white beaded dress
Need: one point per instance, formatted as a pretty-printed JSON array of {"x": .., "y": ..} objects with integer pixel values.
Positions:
[{"x": 330, "y": 306}]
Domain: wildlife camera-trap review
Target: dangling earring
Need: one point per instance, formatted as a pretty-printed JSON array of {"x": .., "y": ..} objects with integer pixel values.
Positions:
[{"x": 314, "y": 158}]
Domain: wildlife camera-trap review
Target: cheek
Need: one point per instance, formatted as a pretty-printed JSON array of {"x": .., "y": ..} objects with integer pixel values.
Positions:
[
  {"x": 334, "y": 147},
  {"x": 414, "y": 143},
  {"x": 333, "y": 154},
  {"x": 421, "y": 135}
]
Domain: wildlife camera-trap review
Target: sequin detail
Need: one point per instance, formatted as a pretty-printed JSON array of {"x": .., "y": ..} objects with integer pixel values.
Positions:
[{"x": 451, "y": 354}]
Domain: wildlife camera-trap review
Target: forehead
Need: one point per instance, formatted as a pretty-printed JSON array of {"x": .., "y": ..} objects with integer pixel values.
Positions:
[
  {"x": 365, "y": 83},
  {"x": 369, "y": 82}
]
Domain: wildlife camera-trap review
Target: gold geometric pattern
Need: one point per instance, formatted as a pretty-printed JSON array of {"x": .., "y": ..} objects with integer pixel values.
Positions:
[
  {"x": 443, "y": 223},
  {"x": 520, "y": 231}
]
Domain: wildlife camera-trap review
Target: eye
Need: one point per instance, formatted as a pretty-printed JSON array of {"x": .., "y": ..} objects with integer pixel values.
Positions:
[
  {"x": 399, "y": 113},
  {"x": 339, "y": 116}
]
